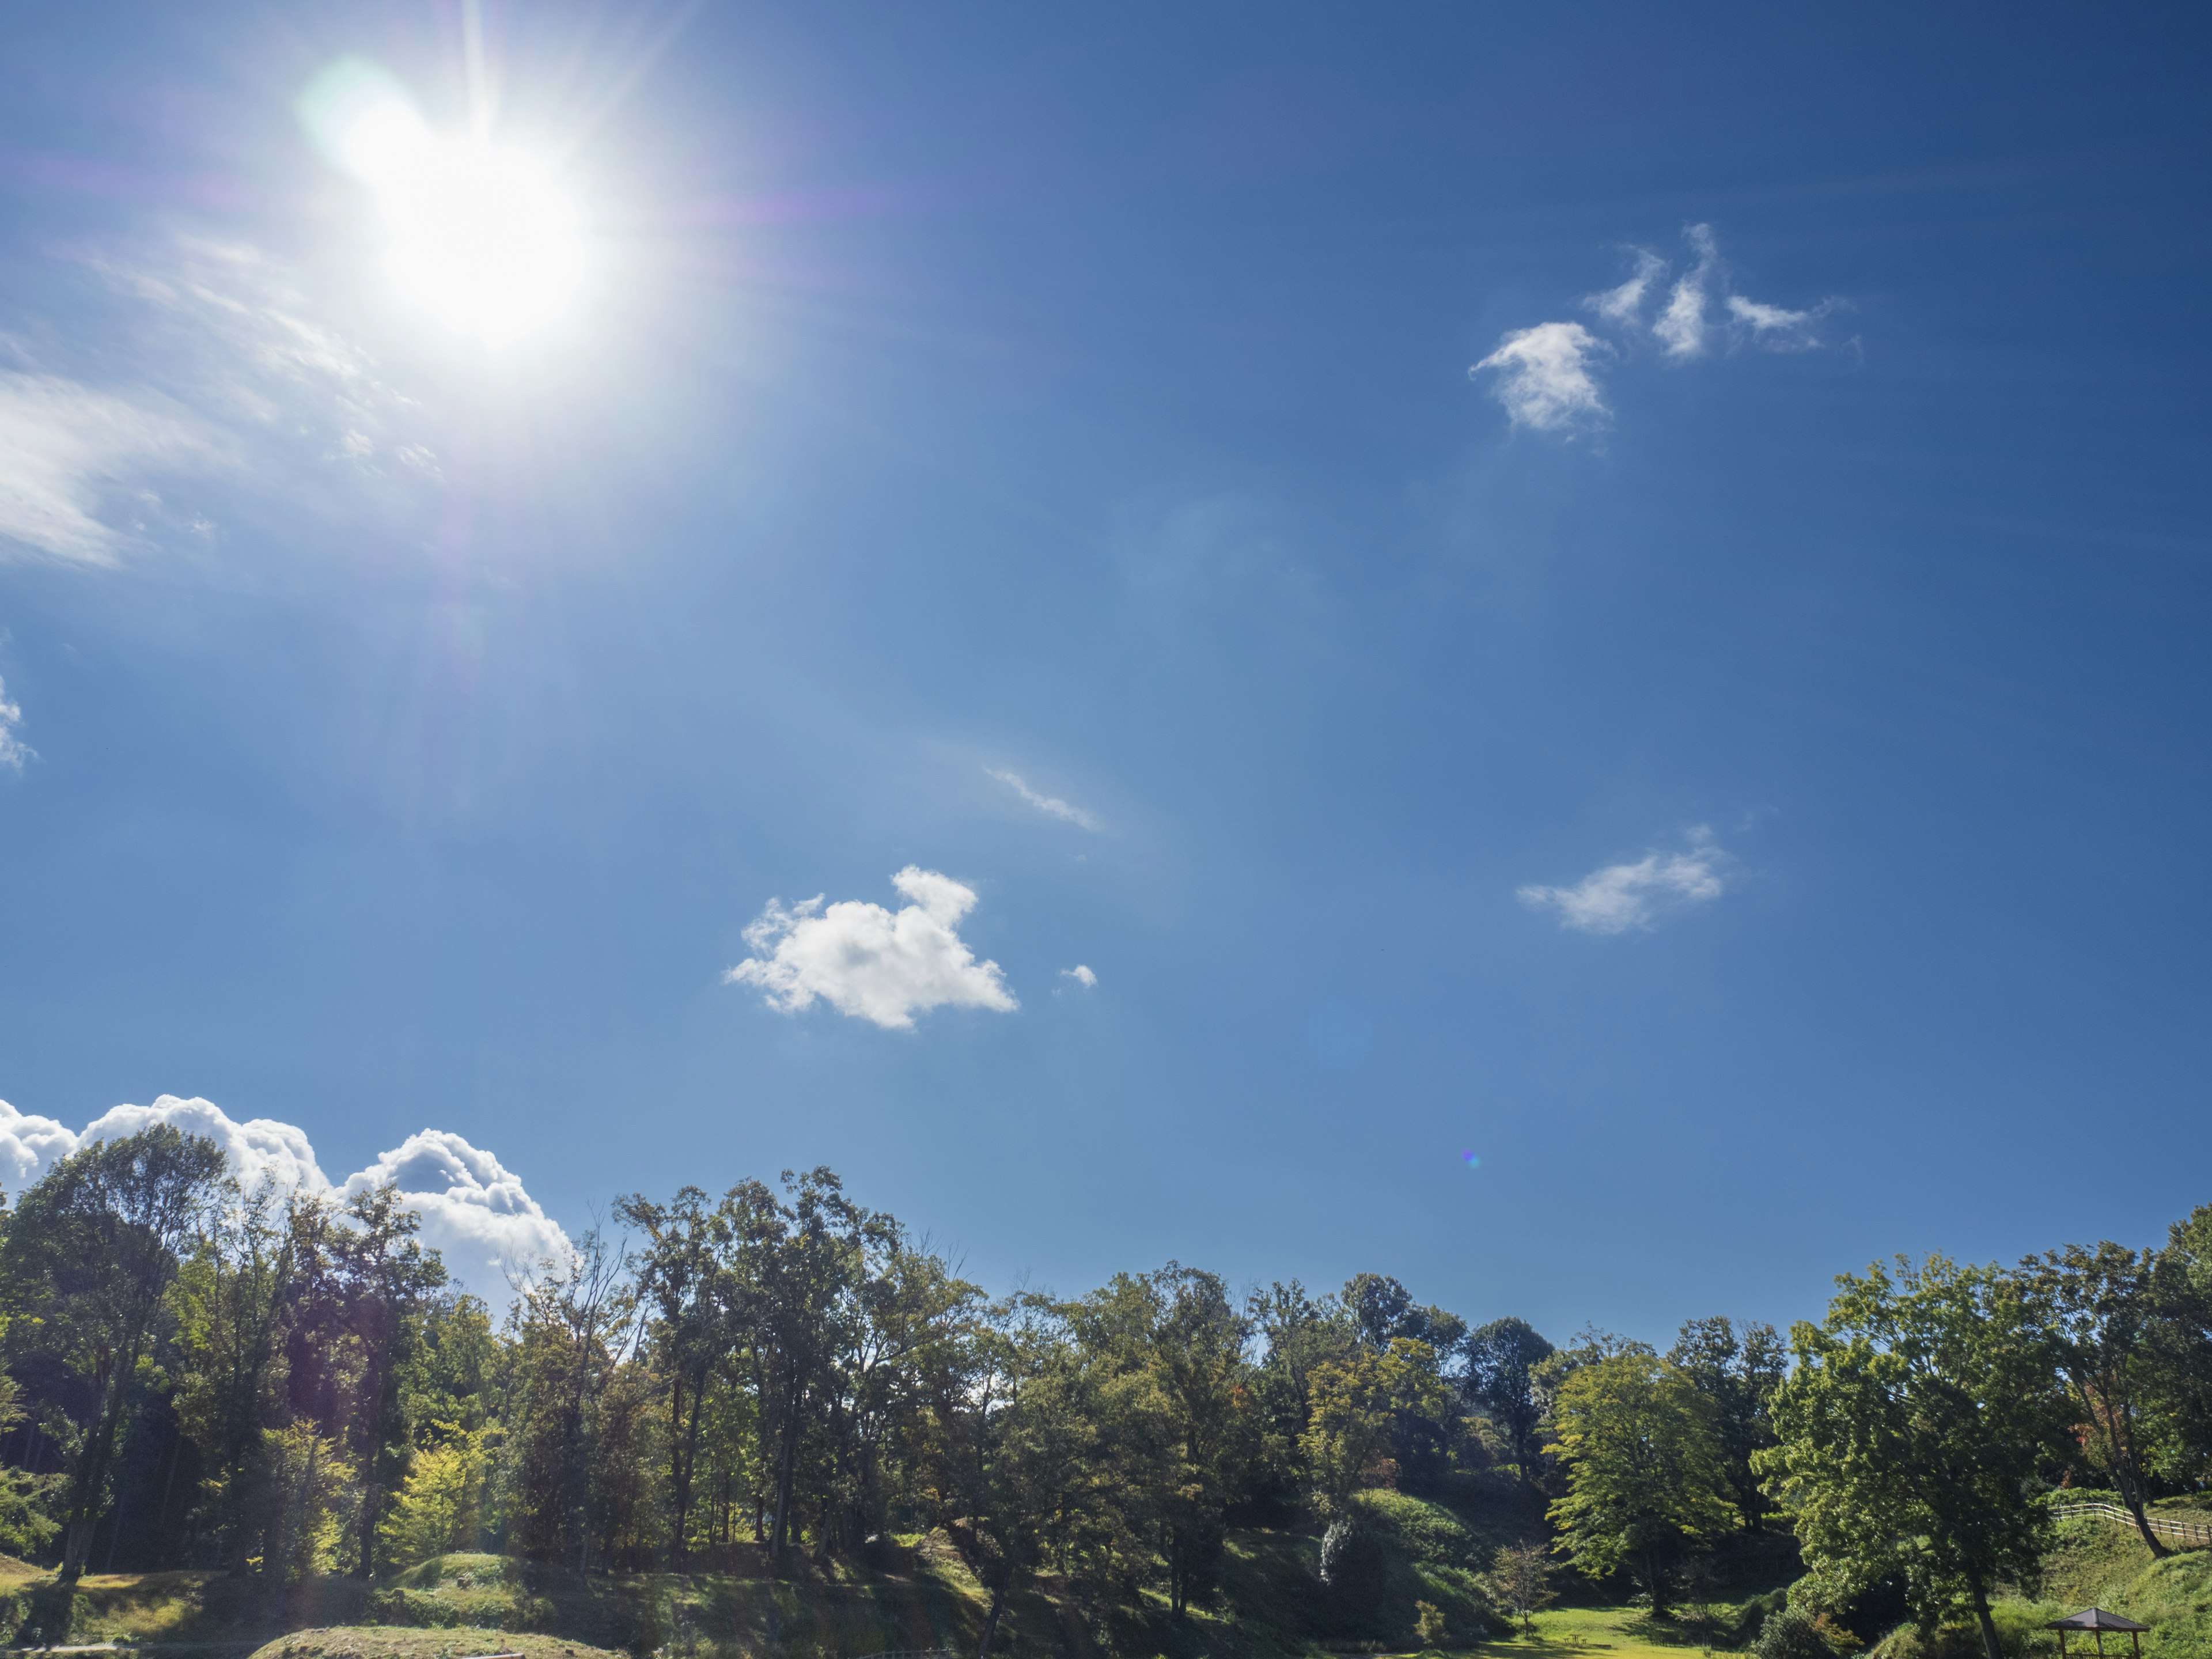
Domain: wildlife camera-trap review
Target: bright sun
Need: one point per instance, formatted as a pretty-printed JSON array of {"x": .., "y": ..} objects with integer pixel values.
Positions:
[{"x": 479, "y": 235}]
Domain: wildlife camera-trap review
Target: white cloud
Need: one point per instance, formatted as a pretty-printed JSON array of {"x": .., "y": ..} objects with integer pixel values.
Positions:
[
  {"x": 870, "y": 962},
  {"x": 14, "y": 751},
  {"x": 1544, "y": 376},
  {"x": 1774, "y": 329},
  {"x": 1051, "y": 806},
  {"x": 63, "y": 447},
  {"x": 1081, "y": 975},
  {"x": 490, "y": 1231},
  {"x": 1622, "y": 896},
  {"x": 1681, "y": 326},
  {"x": 474, "y": 1211},
  {"x": 30, "y": 1146},
  {"x": 260, "y": 1147},
  {"x": 1624, "y": 305}
]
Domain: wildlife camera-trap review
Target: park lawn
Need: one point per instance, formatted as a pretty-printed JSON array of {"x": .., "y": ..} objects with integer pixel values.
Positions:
[{"x": 1564, "y": 1633}]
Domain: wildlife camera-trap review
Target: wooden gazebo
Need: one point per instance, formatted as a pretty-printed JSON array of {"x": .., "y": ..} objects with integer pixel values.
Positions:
[{"x": 2097, "y": 1621}]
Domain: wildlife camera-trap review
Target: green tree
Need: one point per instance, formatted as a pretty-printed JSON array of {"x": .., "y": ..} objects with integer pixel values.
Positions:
[
  {"x": 1371, "y": 1412},
  {"x": 85, "y": 1271},
  {"x": 441, "y": 1506},
  {"x": 1737, "y": 1374},
  {"x": 231, "y": 1302},
  {"x": 1519, "y": 1580},
  {"x": 2102, "y": 1304},
  {"x": 1499, "y": 1379},
  {"x": 1909, "y": 1435},
  {"x": 1646, "y": 1479}
]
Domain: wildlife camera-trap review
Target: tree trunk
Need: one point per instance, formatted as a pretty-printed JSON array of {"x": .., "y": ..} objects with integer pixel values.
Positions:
[
  {"x": 76, "y": 1546},
  {"x": 790, "y": 1450},
  {"x": 991, "y": 1619},
  {"x": 1656, "y": 1583},
  {"x": 1990, "y": 1648}
]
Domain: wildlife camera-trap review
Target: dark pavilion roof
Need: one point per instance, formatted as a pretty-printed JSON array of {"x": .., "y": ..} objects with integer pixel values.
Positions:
[{"x": 2095, "y": 1619}]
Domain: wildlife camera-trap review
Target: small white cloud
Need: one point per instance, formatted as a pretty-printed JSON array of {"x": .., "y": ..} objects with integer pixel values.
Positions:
[
  {"x": 63, "y": 447},
  {"x": 1681, "y": 326},
  {"x": 489, "y": 1231},
  {"x": 1082, "y": 975},
  {"x": 1622, "y": 896},
  {"x": 475, "y": 1213},
  {"x": 1051, "y": 806},
  {"x": 1544, "y": 376},
  {"x": 1624, "y": 305},
  {"x": 1774, "y": 329},
  {"x": 871, "y": 963},
  {"x": 14, "y": 751}
]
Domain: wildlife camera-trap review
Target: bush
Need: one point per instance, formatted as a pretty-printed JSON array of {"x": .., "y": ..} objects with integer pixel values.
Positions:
[
  {"x": 1794, "y": 1633},
  {"x": 1429, "y": 1624},
  {"x": 1353, "y": 1566}
]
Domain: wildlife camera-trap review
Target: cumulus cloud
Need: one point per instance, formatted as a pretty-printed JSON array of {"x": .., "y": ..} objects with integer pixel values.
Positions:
[
  {"x": 65, "y": 448},
  {"x": 1082, "y": 976},
  {"x": 1051, "y": 806},
  {"x": 475, "y": 1212},
  {"x": 260, "y": 1148},
  {"x": 30, "y": 1146},
  {"x": 870, "y": 962},
  {"x": 1544, "y": 377},
  {"x": 490, "y": 1231},
  {"x": 1621, "y": 897},
  {"x": 14, "y": 751}
]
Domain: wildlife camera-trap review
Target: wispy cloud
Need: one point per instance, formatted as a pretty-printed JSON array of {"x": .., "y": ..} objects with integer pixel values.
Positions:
[
  {"x": 65, "y": 448},
  {"x": 1621, "y": 897},
  {"x": 1544, "y": 377},
  {"x": 232, "y": 373},
  {"x": 1051, "y": 806},
  {"x": 1625, "y": 304},
  {"x": 14, "y": 751},
  {"x": 474, "y": 1210},
  {"x": 870, "y": 962},
  {"x": 1547, "y": 376}
]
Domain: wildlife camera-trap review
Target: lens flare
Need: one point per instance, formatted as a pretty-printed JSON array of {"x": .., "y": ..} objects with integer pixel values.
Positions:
[
  {"x": 479, "y": 236},
  {"x": 1472, "y": 1161}
]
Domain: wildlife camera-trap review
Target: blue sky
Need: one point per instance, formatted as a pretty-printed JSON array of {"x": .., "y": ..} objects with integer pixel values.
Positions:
[{"x": 1736, "y": 764}]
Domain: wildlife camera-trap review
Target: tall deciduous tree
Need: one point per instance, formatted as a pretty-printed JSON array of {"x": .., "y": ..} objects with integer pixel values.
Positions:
[
  {"x": 1910, "y": 1434},
  {"x": 86, "y": 1269},
  {"x": 1501, "y": 1361},
  {"x": 1738, "y": 1374},
  {"x": 1646, "y": 1481}
]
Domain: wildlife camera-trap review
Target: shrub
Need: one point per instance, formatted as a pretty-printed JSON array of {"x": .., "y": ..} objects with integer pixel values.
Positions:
[
  {"x": 1429, "y": 1624},
  {"x": 1794, "y": 1633},
  {"x": 1353, "y": 1566}
]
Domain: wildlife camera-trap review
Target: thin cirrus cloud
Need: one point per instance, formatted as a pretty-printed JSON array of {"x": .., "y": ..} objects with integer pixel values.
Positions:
[
  {"x": 1619, "y": 898},
  {"x": 1547, "y": 376},
  {"x": 237, "y": 377},
  {"x": 871, "y": 963},
  {"x": 67, "y": 450},
  {"x": 474, "y": 1211},
  {"x": 1051, "y": 806}
]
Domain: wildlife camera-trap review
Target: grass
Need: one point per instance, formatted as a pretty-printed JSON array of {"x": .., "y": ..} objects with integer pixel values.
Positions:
[{"x": 387, "y": 1642}]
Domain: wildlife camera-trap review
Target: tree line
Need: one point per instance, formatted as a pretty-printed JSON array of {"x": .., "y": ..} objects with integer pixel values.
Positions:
[{"x": 269, "y": 1382}]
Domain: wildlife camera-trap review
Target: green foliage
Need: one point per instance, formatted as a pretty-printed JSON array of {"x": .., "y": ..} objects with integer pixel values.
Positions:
[
  {"x": 305, "y": 1499},
  {"x": 1911, "y": 1431},
  {"x": 441, "y": 1507},
  {"x": 1794, "y": 1633},
  {"x": 1739, "y": 1376},
  {"x": 1430, "y": 1625},
  {"x": 1353, "y": 1566},
  {"x": 1502, "y": 1358},
  {"x": 1645, "y": 1480},
  {"x": 1374, "y": 1412}
]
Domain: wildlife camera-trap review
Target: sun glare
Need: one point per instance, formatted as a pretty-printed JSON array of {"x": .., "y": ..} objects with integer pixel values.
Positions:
[{"x": 478, "y": 235}]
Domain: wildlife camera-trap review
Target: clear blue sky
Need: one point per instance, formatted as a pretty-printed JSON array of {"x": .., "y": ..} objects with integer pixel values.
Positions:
[{"x": 1737, "y": 765}]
